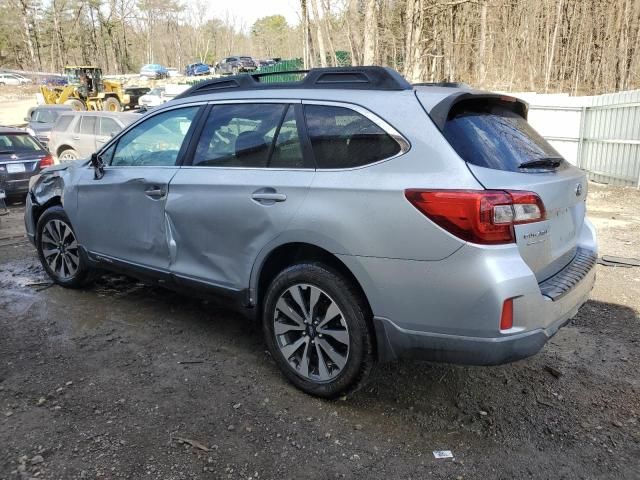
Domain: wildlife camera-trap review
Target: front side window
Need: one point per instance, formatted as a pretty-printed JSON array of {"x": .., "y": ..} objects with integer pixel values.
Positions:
[
  {"x": 343, "y": 138},
  {"x": 250, "y": 136},
  {"x": 156, "y": 141},
  {"x": 62, "y": 123}
]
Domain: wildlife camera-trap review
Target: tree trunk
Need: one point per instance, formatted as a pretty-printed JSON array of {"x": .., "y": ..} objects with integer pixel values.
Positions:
[
  {"x": 482, "y": 48},
  {"x": 319, "y": 34},
  {"x": 552, "y": 50},
  {"x": 370, "y": 33}
]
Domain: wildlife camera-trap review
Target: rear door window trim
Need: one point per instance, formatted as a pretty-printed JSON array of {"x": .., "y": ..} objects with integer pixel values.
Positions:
[{"x": 404, "y": 144}]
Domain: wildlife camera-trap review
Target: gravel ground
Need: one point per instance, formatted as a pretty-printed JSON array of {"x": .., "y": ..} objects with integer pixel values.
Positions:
[{"x": 127, "y": 381}]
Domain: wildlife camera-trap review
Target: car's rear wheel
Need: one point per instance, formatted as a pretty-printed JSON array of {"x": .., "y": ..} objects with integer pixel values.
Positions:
[
  {"x": 68, "y": 155},
  {"x": 59, "y": 251},
  {"x": 316, "y": 328}
]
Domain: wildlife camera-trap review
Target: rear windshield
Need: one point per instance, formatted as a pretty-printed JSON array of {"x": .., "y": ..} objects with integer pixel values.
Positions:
[
  {"x": 17, "y": 143},
  {"x": 491, "y": 135}
]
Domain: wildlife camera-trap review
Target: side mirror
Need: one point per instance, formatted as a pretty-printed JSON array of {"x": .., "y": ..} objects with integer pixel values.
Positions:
[{"x": 98, "y": 166}]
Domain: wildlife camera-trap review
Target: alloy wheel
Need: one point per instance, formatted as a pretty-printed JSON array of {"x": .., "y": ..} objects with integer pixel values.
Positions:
[
  {"x": 60, "y": 249},
  {"x": 68, "y": 155},
  {"x": 311, "y": 332}
]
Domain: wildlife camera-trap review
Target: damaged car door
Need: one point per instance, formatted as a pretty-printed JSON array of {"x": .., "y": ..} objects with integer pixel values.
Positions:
[
  {"x": 121, "y": 215},
  {"x": 246, "y": 180}
]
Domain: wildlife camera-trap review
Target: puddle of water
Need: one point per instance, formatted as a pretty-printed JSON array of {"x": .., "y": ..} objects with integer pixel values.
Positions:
[{"x": 23, "y": 274}]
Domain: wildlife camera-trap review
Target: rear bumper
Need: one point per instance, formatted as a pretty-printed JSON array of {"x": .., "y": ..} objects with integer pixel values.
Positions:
[
  {"x": 395, "y": 342},
  {"x": 449, "y": 310},
  {"x": 16, "y": 186}
]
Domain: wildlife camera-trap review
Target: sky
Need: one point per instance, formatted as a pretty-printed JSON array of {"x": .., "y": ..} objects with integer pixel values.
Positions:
[{"x": 245, "y": 12}]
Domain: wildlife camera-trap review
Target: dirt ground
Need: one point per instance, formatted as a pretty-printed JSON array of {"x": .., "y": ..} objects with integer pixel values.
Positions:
[{"x": 127, "y": 381}]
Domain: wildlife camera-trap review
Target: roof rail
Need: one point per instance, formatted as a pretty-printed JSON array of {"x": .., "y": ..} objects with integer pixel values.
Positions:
[
  {"x": 443, "y": 84},
  {"x": 353, "y": 78}
]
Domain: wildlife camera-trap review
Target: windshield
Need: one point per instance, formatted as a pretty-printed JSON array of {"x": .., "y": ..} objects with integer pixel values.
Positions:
[
  {"x": 45, "y": 116},
  {"x": 489, "y": 134},
  {"x": 17, "y": 143}
]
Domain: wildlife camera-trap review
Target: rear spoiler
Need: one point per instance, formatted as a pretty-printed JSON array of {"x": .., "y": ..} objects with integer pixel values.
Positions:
[{"x": 440, "y": 112}]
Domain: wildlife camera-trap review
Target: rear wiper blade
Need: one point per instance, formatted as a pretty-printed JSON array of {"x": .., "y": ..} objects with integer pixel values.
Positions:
[{"x": 548, "y": 162}]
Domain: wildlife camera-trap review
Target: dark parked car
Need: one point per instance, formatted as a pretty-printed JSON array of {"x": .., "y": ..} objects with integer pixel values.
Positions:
[
  {"x": 266, "y": 63},
  {"x": 21, "y": 156},
  {"x": 40, "y": 120},
  {"x": 194, "y": 69},
  {"x": 235, "y": 65}
]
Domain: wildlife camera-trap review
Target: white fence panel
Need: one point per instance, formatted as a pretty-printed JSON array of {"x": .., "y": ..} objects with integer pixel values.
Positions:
[{"x": 600, "y": 134}]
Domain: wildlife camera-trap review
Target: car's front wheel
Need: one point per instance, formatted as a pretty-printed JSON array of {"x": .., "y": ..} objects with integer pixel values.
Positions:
[
  {"x": 316, "y": 327},
  {"x": 59, "y": 251}
]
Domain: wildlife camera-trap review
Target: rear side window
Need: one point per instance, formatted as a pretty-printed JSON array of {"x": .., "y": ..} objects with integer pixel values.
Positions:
[
  {"x": 88, "y": 125},
  {"x": 17, "y": 143},
  {"x": 62, "y": 123},
  {"x": 343, "y": 138},
  {"x": 251, "y": 136},
  {"x": 491, "y": 135},
  {"x": 108, "y": 126}
]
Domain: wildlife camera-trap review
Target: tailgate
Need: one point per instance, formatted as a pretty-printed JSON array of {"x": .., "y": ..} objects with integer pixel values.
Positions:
[
  {"x": 549, "y": 245},
  {"x": 491, "y": 134}
]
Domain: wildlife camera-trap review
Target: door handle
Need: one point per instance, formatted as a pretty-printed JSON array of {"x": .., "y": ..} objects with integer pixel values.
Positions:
[
  {"x": 268, "y": 196},
  {"x": 154, "y": 192},
  {"x": 274, "y": 197}
]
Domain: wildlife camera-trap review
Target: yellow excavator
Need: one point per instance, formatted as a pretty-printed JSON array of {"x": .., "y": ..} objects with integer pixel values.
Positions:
[{"x": 86, "y": 90}]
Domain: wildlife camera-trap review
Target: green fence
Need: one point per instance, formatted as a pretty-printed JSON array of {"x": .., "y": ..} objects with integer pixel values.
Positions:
[
  {"x": 290, "y": 65},
  {"x": 283, "y": 66}
]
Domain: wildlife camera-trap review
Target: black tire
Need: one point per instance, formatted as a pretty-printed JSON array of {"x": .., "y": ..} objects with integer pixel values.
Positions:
[
  {"x": 111, "y": 104},
  {"x": 76, "y": 105},
  {"x": 360, "y": 359},
  {"x": 83, "y": 274}
]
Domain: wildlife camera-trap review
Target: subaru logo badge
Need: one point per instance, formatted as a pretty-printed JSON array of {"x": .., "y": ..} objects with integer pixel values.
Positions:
[{"x": 578, "y": 189}]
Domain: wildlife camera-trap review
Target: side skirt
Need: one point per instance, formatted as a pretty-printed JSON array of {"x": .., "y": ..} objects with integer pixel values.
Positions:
[{"x": 227, "y": 297}]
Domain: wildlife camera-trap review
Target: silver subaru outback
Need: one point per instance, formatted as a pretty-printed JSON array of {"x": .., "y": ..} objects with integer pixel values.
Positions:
[{"x": 358, "y": 217}]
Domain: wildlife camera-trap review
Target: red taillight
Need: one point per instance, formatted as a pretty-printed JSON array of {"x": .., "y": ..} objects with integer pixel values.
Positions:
[
  {"x": 484, "y": 216},
  {"x": 506, "y": 319},
  {"x": 46, "y": 161}
]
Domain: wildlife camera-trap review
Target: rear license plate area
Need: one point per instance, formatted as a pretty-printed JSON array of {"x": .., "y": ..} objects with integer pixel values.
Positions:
[{"x": 15, "y": 168}]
